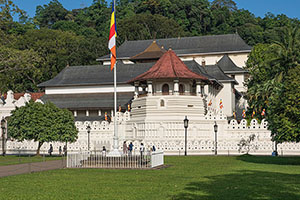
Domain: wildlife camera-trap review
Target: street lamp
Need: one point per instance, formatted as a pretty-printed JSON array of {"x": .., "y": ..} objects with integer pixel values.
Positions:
[
  {"x": 186, "y": 124},
  {"x": 216, "y": 141},
  {"x": 3, "y": 135},
  {"x": 88, "y": 128}
]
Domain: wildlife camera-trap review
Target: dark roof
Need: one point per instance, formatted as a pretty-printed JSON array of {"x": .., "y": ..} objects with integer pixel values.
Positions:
[
  {"x": 89, "y": 101},
  {"x": 228, "y": 66},
  {"x": 169, "y": 66},
  {"x": 216, "y": 72},
  {"x": 152, "y": 52},
  {"x": 101, "y": 74},
  {"x": 186, "y": 45},
  {"x": 96, "y": 74}
]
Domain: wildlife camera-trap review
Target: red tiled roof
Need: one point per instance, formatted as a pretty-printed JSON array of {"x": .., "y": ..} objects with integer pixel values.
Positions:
[
  {"x": 34, "y": 96},
  {"x": 169, "y": 66}
]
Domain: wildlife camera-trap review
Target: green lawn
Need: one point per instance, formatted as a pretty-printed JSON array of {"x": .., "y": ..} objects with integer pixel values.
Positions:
[
  {"x": 193, "y": 177},
  {"x": 13, "y": 160}
]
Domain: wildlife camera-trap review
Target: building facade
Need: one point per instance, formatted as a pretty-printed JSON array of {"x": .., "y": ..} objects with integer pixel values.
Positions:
[{"x": 159, "y": 82}]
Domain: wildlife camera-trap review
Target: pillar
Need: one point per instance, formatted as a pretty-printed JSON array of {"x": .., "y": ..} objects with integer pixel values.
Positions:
[
  {"x": 136, "y": 91},
  {"x": 176, "y": 87},
  {"x": 150, "y": 90},
  {"x": 198, "y": 88}
]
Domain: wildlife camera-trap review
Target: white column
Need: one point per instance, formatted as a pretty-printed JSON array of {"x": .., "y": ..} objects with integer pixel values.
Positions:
[
  {"x": 198, "y": 88},
  {"x": 87, "y": 113},
  {"x": 75, "y": 113},
  {"x": 176, "y": 87},
  {"x": 136, "y": 91},
  {"x": 99, "y": 112},
  {"x": 149, "y": 88}
]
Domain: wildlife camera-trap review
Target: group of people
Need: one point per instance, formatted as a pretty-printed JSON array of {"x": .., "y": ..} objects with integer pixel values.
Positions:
[
  {"x": 59, "y": 150},
  {"x": 128, "y": 149}
]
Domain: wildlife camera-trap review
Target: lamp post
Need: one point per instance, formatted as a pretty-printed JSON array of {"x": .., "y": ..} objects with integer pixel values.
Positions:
[
  {"x": 88, "y": 128},
  {"x": 3, "y": 135},
  {"x": 216, "y": 141},
  {"x": 186, "y": 124}
]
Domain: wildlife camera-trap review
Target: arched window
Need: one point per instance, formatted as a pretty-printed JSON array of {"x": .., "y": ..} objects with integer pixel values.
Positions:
[
  {"x": 162, "y": 103},
  {"x": 181, "y": 89},
  {"x": 165, "y": 89}
]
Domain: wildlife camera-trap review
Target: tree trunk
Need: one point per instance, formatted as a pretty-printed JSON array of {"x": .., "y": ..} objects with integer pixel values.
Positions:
[{"x": 39, "y": 147}]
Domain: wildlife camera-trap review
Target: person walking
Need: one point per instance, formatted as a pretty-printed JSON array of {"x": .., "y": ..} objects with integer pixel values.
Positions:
[
  {"x": 103, "y": 151},
  {"x": 130, "y": 148},
  {"x": 59, "y": 150},
  {"x": 142, "y": 149},
  {"x": 50, "y": 150},
  {"x": 65, "y": 150},
  {"x": 125, "y": 148}
]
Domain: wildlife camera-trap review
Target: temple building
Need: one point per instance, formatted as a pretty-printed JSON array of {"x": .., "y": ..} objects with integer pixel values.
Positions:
[{"x": 159, "y": 82}]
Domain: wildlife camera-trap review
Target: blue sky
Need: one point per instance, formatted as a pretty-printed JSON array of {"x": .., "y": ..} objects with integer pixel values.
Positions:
[{"x": 258, "y": 7}]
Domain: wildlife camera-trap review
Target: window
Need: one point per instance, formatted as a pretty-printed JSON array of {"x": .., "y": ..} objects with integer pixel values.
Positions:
[
  {"x": 165, "y": 89},
  {"x": 162, "y": 103},
  {"x": 181, "y": 89}
]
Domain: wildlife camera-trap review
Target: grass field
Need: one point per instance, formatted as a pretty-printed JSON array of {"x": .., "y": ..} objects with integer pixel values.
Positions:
[
  {"x": 14, "y": 159},
  {"x": 193, "y": 178}
]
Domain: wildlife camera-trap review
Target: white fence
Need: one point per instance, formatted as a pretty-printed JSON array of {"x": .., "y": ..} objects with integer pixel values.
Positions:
[{"x": 101, "y": 160}]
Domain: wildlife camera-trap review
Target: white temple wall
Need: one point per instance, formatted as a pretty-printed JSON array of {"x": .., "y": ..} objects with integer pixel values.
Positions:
[
  {"x": 169, "y": 136},
  {"x": 89, "y": 89}
]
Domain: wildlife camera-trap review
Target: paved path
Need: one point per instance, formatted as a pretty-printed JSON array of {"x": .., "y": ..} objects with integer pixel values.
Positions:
[{"x": 10, "y": 170}]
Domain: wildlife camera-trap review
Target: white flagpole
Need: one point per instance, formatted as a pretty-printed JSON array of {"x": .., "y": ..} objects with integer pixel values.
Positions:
[{"x": 115, "y": 151}]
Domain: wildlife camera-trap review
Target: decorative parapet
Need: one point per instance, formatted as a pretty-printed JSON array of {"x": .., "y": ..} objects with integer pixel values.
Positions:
[
  {"x": 211, "y": 116},
  {"x": 234, "y": 125}
]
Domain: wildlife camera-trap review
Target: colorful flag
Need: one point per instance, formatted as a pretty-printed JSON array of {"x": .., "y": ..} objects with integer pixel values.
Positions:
[
  {"x": 112, "y": 38},
  {"x": 244, "y": 114},
  {"x": 263, "y": 113},
  {"x": 105, "y": 116},
  {"x": 128, "y": 106},
  {"x": 221, "y": 104},
  {"x": 253, "y": 113},
  {"x": 210, "y": 103}
]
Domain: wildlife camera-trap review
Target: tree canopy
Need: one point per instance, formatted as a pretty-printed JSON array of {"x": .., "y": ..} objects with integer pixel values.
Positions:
[
  {"x": 274, "y": 84},
  {"x": 42, "y": 123}
]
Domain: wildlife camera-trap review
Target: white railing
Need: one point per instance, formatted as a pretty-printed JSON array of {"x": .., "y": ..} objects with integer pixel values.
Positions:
[
  {"x": 157, "y": 158},
  {"x": 101, "y": 160}
]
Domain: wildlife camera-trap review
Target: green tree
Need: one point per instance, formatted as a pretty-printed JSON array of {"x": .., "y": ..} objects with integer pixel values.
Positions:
[
  {"x": 42, "y": 123},
  {"x": 50, "y": 13},
  {"x": 148, "y": 26},
  {"x": 274, "y": 84},
  {"x": 19, "y": 69},
  {"x": 284, "y": 109}
]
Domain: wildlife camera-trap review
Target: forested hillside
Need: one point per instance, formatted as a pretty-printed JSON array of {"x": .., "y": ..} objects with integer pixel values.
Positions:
[{"x": 34, "y": 50}]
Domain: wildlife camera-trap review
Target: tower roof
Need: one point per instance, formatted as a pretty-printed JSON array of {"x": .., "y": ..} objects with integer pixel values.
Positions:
[
  {"x": 169, "y": 66},
  {"x": 228, "y": 66},
  {"x": 152, "y": 52}
]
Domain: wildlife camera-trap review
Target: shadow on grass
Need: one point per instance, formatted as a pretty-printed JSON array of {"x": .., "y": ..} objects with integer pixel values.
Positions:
[
  {"x": 244, "y": 185},
  {"x": 270, "y": 160}
]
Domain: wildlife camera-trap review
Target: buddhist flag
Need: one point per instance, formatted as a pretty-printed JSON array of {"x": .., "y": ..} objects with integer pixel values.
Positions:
[
  {"x": 253, "y": 113},
  {"x": 210, "y": 103},
  {"x": 128, "y": 106},
  {"x": 105, "y": 116},
  {"x": 263, "y": 113},
  {"x": 221, "y": 104},
  {"x": 244, "y": 114},
  {"x": 112, "y": 38}
]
